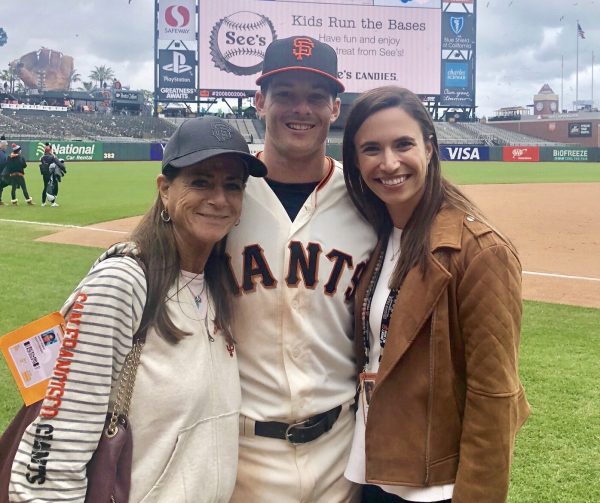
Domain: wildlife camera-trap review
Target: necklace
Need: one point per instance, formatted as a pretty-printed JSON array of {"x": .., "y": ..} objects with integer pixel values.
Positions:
[
  {"x": 196, "y": 280},
  {"x": 202, "y": 302},
  {"x": 198, "y": 296},
  {"x": 395, "y": 238}
]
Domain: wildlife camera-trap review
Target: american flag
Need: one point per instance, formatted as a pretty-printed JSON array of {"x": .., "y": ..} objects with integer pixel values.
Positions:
[{"x": 580, "y": 32}]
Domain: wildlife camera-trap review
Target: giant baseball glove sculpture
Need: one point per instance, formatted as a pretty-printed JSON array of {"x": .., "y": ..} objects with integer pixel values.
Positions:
[{"x": 52, "y": 67}]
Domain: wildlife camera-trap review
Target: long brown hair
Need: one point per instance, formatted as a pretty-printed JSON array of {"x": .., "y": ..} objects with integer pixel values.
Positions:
[
  {"x": 438, "y": 191},
  {"x": 156, "y": 244}
]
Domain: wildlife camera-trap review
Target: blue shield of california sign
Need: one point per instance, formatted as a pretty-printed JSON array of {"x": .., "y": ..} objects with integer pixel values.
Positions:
[{"x": 457, "y": 24}]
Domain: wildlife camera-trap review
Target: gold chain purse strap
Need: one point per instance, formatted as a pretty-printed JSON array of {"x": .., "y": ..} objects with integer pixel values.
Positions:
[
  {"x": 132, "y": 360},
  {"x": 126, "y": 384}
]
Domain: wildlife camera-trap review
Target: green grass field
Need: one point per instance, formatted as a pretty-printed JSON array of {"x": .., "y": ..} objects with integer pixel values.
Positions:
[{"x": 557, "y": 457}]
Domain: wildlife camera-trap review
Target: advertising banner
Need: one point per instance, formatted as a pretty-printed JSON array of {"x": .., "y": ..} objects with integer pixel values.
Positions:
[
  {"x": 458, "y": 31},
  {"x": 580, "y": 129},
  {"x": 177, "y": 20},
  {"x": 458, "y": 50},
  {"x": 570, "y": 154},
  {"x": 71, "y": 150},
  {"x": 464, "y": 153},
  {"x": 521, "y": 154},
  {"x": 156, "y": 151},
  {"x": 25, "y": 106},
  {"x": 457, "y": 85},
  {"x": 127, "y": 95},
  {"x": 177, "y": 70},
  {"x": 376, "y": 46}
]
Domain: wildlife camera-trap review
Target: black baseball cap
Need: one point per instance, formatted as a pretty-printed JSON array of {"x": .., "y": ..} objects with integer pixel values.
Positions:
[
  {"x": 199, "y": 139},
  {"x": 301, "y": 53}
]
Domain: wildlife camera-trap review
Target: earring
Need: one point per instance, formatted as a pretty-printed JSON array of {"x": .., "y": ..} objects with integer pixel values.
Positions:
[{"x": 165, "y": 217}]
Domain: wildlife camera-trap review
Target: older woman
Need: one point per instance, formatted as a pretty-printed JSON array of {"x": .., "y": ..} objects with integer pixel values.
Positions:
[
  {"x": 186, "y": 399},
  {"x": 438, "y": 319}
]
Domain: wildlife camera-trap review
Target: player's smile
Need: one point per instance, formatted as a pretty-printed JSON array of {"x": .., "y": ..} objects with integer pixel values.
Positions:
[
  {"x": 298, "y": 108},
  {"x": 298, "y": 126}
]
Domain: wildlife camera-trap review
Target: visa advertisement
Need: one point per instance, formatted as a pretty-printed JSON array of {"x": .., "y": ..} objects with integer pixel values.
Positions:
[{"x": 464, "y": 153}]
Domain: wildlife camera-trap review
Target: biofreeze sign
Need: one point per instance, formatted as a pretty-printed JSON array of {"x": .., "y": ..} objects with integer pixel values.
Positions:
[
  {"x": 387, "y": 43},
  {"x": 570, "y": 154}
]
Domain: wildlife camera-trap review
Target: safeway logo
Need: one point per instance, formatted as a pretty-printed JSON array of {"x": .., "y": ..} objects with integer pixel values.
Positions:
[
  {"x": 177, "y": 16},
  {"x": 177, "y": 19}
]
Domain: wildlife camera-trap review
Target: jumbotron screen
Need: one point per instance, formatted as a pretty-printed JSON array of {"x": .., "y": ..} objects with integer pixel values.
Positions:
[{"x": 378, "y": 42}]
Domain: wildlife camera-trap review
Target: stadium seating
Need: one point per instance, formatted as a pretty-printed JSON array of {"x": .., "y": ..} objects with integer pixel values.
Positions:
[
  {"x": 115, "y": 128},
  {"x": 96, "y": 127}
]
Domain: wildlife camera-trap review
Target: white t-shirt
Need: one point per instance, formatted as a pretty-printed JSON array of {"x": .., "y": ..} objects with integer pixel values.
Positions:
[{"x": 355, "y": 471}]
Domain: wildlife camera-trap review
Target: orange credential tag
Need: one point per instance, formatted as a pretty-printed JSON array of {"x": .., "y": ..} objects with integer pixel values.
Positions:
[
  {"x": 31, "y": 352},
  {"x": 367, "y": 385}
]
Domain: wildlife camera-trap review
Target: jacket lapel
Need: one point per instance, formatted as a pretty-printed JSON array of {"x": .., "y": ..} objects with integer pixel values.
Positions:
[
  {"x": 416, "y": 300},
  {"x": 420, "y": 294}
]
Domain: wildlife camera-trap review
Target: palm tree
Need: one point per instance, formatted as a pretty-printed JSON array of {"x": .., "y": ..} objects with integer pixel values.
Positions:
[
  {"x": 101, "y": 74},
  {"x": 87, "y": 86},
  {"x": 73, "y": 77},
  {"x": 12, "y": 78}
]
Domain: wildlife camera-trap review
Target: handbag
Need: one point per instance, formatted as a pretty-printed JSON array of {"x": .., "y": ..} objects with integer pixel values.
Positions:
[{"x": 109, "y": 470}]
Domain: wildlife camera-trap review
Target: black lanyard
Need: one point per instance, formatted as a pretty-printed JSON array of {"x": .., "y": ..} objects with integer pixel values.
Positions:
[{"x": 387, "y": 309}]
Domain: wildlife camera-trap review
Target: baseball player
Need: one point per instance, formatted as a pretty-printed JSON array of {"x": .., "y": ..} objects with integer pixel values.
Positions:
[{"x": 296, "y": 257}]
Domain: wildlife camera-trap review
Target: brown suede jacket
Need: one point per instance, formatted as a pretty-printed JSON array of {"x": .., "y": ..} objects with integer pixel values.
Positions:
[{"x": 448, "y": 400}]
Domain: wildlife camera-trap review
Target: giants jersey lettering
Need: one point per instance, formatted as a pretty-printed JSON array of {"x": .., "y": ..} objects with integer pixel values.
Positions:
[{"x": 293, "y": 311}]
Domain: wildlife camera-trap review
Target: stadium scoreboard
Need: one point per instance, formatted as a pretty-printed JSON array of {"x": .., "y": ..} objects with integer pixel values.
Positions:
[{"x": 215, "y": 48}]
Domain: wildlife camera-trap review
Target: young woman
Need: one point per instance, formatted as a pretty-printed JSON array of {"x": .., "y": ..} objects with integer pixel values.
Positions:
[
  {"x": 186, "y": 398},
  {"x": 438, "y": 315}
]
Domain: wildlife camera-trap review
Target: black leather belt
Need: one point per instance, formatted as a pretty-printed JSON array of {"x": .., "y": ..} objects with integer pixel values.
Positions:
[{"x": 301, "y": 432}]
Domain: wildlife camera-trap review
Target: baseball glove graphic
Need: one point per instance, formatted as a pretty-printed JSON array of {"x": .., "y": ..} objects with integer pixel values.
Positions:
[{"x": 44, "y": 68}]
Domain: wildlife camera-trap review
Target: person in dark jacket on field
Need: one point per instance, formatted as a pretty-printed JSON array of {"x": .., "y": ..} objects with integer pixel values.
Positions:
[
  {"x": 4, "y": 180},
  {"x": 45, "y": 161},
  {"x": 16, "y": 171}
]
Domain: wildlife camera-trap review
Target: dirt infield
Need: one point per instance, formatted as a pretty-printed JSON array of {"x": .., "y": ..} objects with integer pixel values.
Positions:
[{"x": 556, "y": 228}]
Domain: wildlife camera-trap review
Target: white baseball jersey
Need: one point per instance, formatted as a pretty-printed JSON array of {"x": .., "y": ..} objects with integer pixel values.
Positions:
[{"x": 293, "y": 316}]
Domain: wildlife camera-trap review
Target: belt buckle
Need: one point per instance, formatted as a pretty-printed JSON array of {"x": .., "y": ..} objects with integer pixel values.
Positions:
[{"x": 289, "y": 433}]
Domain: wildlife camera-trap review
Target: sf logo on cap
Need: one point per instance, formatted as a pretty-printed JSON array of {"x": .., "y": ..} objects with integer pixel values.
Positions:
[
  {"x": 302, "y": 47},
  {"x": 222, "y": 132}
]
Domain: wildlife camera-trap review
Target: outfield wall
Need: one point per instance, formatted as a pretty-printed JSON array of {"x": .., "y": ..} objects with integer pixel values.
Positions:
[{"x": 99, "y": 151}]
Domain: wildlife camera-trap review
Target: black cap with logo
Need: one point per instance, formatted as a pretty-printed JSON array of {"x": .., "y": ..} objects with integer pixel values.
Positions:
[
  {"x": 301, "y": 53},
  {"x": 199, "y": 139}
]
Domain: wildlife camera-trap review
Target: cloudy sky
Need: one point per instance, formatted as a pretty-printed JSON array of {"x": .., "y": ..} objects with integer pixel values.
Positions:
[{"x": 520, "y": 43}]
